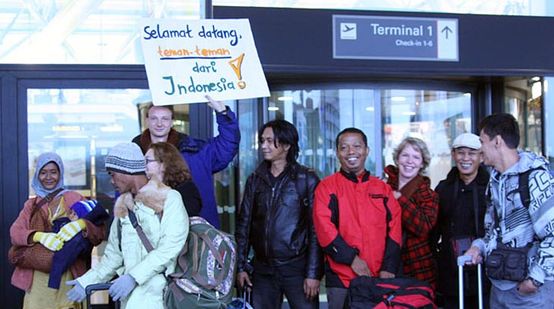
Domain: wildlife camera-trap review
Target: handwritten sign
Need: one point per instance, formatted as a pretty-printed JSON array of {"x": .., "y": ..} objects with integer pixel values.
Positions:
[{"x": 188, "y": 59}]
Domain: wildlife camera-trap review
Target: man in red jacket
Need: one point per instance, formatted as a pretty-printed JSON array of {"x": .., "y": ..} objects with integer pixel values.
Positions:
[{"x": 357, "y": 220}]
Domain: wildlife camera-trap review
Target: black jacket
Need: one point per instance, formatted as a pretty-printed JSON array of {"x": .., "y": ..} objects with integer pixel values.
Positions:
[
  {"x": 191, "y": 197},
  {"x": 457, "y": 220},
  {"x": 277, "y": 221}
]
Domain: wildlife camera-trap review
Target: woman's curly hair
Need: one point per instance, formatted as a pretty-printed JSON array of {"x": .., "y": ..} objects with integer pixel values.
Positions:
[{"x": 176, "y": 170}]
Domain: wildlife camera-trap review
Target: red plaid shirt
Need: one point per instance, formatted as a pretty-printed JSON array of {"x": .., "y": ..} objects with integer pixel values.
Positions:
[{"x": 419, "y": 216}]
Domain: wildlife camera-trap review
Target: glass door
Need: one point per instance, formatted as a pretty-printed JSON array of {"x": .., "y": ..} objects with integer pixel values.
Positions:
[
  {"x": 81, "y": 125},
  {"x": 385, "y": 114}
]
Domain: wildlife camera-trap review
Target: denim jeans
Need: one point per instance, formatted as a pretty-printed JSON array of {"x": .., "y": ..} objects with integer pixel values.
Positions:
[
  {"x": 268, "y": 290},
  {"x": 511, "y": 298},
  {"x": 336, "y": 297}
]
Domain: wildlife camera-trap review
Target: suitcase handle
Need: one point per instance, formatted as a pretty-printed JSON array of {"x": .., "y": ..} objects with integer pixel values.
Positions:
[
  {"x": 97, "y": 287},
  {"x": 463, "y": 259}
]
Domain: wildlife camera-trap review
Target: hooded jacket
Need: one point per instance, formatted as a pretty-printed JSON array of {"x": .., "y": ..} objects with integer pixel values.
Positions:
[
  {"x": 518, "y": 226},
  {"x": 204, "y": 157},
  {"x": 277, "y": 220},
  {"x": 167, "y": 234}
]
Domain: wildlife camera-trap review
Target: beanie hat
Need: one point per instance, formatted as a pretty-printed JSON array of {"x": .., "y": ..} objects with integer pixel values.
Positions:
[
  {"x": 126, "y": 158},
  {"x": 467, "y": 140},
  {"x": 82, "y": 208}
]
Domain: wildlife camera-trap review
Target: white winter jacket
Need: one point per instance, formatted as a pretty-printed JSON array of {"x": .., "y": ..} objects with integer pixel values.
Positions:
[{"x": 162, "y": 215}]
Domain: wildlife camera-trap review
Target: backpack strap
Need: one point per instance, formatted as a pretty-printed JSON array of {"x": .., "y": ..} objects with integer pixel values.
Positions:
[
  {"x": 524, "y": 195},
  {"x": 140, "y": 231},
  {"x": 523, "y": 184},
  {"x": 221, "y": 276},
  {"x": 302, "y": 186}
]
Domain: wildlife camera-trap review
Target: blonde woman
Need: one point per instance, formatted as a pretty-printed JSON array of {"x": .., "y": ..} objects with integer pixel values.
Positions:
[{"x": 419, "y": 205}]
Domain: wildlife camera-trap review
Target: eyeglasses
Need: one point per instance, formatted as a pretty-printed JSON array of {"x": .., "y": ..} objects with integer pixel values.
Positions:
[{"x": 148, "y": 160}]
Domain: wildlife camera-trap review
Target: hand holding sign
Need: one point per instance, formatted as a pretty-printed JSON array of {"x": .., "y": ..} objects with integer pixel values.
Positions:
[{"x": 218, "y": 106}]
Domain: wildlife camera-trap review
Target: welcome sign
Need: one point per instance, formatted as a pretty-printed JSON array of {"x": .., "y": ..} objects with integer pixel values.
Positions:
[{"x": 186, "y": 60}]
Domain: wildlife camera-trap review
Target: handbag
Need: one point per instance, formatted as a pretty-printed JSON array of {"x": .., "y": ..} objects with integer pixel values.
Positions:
[
  {"x": 505, "y": 263},
  {"x": 35, "y": 256}
]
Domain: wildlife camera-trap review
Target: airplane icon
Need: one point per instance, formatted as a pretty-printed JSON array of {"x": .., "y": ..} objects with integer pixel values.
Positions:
[{"x": 347, "y": 29}]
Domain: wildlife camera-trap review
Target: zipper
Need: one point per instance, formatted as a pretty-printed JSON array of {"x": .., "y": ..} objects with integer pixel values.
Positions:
[{"x": 271, "y": 211}]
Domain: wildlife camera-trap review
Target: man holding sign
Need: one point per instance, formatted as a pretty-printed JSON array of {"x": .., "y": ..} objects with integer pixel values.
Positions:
[
  {"x": 185, "y": 62},
  {"x": 204, "y": 157}
]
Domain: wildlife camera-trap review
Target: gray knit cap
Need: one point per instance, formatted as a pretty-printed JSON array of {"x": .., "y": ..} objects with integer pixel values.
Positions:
[{"x": 126, "y": 158}]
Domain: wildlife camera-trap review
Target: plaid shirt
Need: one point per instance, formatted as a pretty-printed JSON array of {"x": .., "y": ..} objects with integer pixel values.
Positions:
[{"x": 419, "y": 215}]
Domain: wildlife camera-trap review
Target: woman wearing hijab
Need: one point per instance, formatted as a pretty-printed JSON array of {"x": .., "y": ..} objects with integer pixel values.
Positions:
[
  {"x": 419, "y": 204},
  {"x": 165, "y": 162},
  {"x": 34, "y": 243}
]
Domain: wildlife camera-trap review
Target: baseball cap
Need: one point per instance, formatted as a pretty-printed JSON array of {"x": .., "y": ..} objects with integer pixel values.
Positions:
[{"x": 468, "y": 140}]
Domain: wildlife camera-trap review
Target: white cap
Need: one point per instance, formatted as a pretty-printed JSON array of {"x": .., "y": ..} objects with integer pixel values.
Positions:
[{"x": 468, "y": 140}]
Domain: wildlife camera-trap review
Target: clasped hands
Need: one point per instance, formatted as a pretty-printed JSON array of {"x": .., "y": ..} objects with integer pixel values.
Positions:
[{"x": 360, "y": 267}]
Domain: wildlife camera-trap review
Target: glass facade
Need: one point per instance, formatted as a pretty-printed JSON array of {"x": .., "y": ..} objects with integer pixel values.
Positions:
[
  {"x": 83, "y": 31},
  {"x": 386, "y": 115},
  {"x": 81, "y": 125},
  {"x": 106, "y": 32},
  {"x": 498, "y": 7},
  {"x": 523, "y": 98},
  {"x": 548, "y": 117}
]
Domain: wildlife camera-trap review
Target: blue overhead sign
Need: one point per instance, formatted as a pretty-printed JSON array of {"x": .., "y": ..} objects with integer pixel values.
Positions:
[{"x": 395, "y": 38}]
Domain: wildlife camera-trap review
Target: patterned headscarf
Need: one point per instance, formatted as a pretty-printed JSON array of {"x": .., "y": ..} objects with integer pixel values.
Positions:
[{"x": 42, "y": 160}]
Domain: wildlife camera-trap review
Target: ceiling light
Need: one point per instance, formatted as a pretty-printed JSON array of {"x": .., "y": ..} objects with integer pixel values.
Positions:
[
  {"x": 284, "y": 98},
  {"x": 398, "y": 99}
]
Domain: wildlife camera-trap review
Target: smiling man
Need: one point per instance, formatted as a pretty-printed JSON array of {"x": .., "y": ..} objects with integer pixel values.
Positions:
[
  {"x": 350, "y": 218},
  {"x": 204, "y": 157},
  {"x": 462, "y": 205}
]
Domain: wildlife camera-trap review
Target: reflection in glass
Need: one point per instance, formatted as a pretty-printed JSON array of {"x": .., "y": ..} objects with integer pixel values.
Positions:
[
  {"x": 83, "y": 31},
  {"x": 549, "y": 119},
  {"x": 523, "y": 99},
  {"x": 434, "y": 116},
  {"x": 81, "y": 125},
  {"x": 385, "y": 115}
]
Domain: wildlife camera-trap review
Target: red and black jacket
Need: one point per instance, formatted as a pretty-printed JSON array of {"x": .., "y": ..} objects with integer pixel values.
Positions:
[{"x": 357, "y": 216}]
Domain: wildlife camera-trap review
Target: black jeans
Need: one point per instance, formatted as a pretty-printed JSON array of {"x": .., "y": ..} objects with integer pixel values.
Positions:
[{"x": 268, "y": 288}]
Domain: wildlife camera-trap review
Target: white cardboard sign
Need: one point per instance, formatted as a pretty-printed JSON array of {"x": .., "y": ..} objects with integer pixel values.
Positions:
[{"x": 188, "y": 59}]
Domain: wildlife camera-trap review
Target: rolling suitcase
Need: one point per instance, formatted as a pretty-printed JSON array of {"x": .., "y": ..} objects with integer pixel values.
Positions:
[
  {"x": 462, "y": 260},
  {"x": 90, "y": 289},
  {"x": 243, "y": 301}
]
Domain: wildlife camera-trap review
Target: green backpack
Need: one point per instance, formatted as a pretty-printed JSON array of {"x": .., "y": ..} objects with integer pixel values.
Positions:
[{"x": 205, "y": 272}]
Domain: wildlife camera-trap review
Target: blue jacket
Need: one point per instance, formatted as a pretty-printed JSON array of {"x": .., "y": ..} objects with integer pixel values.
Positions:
[
  {"x": 205, "y": 157},
  {"x": 75, "y": 247}
]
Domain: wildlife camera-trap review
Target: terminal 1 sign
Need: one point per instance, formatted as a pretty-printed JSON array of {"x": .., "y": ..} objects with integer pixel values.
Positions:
[{"x": 395, "y": 38}]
